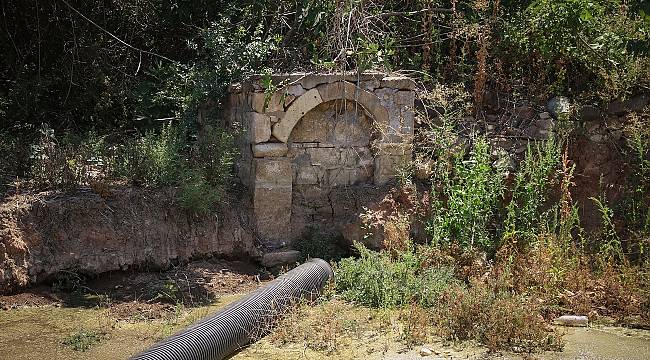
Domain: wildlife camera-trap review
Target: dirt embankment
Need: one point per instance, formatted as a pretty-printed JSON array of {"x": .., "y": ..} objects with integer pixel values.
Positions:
[{"x": 44, "y": 233}]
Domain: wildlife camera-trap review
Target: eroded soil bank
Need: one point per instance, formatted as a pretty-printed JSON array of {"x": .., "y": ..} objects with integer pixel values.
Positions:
[{"x": 93, "y": 232}]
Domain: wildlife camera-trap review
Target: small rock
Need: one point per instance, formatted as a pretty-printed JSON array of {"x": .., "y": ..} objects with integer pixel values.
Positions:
[
  {"x": 572, "y": 320},
  {"x": 638, "y": 103},
  {"x": 544, "y": 115},
  {"x": 425, "y": 351},
  {"x": 616, "y": 107},
  {"x": 523, "y": 112},
  {"x": 546, "y": 124},
  {"x": 559, "y": 105},
  {"x": 597, "y": 138},
  {"x": 280, "y": 258},
  {"x": 270, "y": 150},
  {"x": 591, "y": 113},
  {"x": 521, "y": 149}
]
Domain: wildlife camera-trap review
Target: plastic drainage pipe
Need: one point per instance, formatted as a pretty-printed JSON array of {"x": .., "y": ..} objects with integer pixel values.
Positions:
[{"x": 244, "y": 321}]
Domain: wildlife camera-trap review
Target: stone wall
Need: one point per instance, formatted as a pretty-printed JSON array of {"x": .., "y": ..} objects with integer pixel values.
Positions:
[
  {"x": 598, "y": 148},
  {"x": 316, "y": 136}
]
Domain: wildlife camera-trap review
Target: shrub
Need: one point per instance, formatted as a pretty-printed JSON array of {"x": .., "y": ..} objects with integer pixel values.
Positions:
[
  {"x": 531, "y": 189},
  {"x": 196, "y": 194},
  {"x": 55, "y": 164},
  {"x": 601, "y": 38},
  {"x": 214, "y": 156},
  {"x": 154, "y": 159},
  {"x": 463, "y": 209},
  {"x": 498, "y": 320},
  {"x": 376, "y": 279}
]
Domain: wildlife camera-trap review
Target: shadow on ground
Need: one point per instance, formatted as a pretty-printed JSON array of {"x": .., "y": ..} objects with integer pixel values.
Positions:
[{"x": 144, "y": 295}]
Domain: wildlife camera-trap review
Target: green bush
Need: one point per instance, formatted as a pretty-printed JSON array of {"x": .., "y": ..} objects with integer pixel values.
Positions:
[
  {"x": 531, "y": 189},
  {"x": 227, "y": 53},
  {"x": 196, "y": 194},
  {"x": 462, "y": 210},
  {"x": 154, "y": 159},
  {"x": 55, "y": 164},
  {"x": 377, "y": 279},
  {"x": 604, "y": 39}
]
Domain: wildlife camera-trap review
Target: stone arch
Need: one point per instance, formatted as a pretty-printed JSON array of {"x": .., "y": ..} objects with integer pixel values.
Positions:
[{"x": 325, "y": 93}]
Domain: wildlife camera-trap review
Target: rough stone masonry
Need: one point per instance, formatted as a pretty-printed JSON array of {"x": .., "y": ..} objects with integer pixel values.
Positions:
[{"x": 316, "y": 148}]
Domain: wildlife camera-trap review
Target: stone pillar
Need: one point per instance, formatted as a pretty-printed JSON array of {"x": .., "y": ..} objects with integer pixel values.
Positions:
[{"x": 272, "y": 186}]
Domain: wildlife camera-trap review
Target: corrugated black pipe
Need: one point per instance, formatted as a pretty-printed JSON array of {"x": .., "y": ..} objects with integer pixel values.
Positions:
[{"x": 244, "y": 321}]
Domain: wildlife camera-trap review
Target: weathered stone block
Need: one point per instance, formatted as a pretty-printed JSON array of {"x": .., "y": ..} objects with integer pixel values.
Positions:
[
  {"x": 312, "y": 80},
  {"x": 272, "y": 171},
  {"x": 355, "y": 156},
  {"x": 272, "y": 211},
  {"x": 339, "y": 90},
  {"x": 270, "y": 150},
  {"x": 386, "y": 167},
  {"x": 311, "y": 128},
  {"x": 259, "y": 127},
  {"x": 338, "y": 176},
  {"x": 307, "y": 175},
  {"x": 370, "y": 85},
  {"x": 398, "y": 82},
  {"x": 295, "y": 90},
  {"x": 361, "y": 175},
  {"x": 396, "y": 149},
  {"x": 386, "y": 96},
  {"x": 408, "y": 122},
  {"x": 351, "y": 130},
  {"x": 257, "y": 100},
  {"x": 405, "y": 98},
  {"x": 326, "y": 157}
]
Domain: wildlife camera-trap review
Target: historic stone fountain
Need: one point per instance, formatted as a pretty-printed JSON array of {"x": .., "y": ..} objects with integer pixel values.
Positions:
[{"x": 318, "y": 147}]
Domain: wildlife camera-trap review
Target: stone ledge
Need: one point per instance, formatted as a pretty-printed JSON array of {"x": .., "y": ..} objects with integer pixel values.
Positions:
[
  {"x": 398, "y": 82},
  {"x": 270, "y": 150},
  {"x": 279, "y": 258}
]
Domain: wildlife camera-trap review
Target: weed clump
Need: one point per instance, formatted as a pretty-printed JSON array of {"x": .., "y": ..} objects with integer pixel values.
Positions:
[
  {"x": 82, "y": 340},
  {"x": 201, "y": 168},
  {"x": 377, "y": 279}
]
